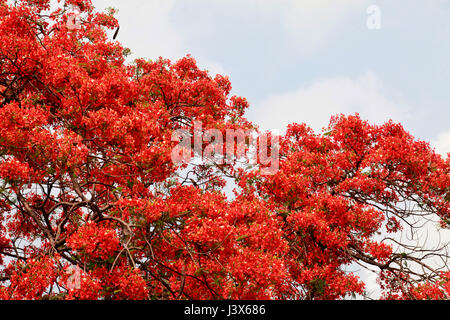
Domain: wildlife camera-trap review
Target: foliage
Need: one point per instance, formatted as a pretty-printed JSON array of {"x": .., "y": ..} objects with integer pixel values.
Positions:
[{"x": 87, "y": 180}]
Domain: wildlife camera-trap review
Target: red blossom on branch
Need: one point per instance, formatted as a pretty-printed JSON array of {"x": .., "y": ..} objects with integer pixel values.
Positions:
[{"x": 87, "y": 181}]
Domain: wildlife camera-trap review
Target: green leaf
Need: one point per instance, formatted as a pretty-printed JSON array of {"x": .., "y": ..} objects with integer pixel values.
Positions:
[
  {"x": 179, "y": 253},
  {"x": 243, "y": 237},
  {"x": 198, "y": 272}
]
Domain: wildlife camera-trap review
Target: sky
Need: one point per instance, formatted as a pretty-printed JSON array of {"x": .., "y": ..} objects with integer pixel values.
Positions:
[{"x": 306, "y": 60}]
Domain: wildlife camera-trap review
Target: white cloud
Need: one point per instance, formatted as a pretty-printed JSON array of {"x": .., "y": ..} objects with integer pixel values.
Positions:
[
  {"x": 310, "y": 23},
  {"x": 442, "y": 143},
  {"x": 146, "y": 28},
  {"x": 212, "y": 66},
  {"x": 314, "y": 104}
]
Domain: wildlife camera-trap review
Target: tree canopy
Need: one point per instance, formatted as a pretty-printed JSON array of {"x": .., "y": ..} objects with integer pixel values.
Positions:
[{"x": 88, "y": 185}]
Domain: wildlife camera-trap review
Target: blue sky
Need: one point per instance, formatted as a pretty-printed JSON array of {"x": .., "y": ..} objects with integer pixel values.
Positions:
[{"x": 304, "y": 60}]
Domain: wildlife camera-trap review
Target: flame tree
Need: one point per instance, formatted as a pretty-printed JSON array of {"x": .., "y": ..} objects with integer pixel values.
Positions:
[{"x": 87, "y": 182}]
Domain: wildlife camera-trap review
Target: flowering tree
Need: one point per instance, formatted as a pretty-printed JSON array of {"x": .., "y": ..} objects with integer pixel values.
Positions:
[{"x": 92, "y": 205}]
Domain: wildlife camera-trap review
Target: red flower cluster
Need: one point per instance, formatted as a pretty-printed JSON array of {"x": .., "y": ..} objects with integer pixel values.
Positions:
[
  {"x": 87, "y": 182},
  {"x": 93, "y": 242}
]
